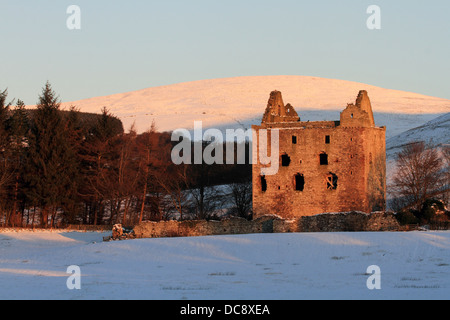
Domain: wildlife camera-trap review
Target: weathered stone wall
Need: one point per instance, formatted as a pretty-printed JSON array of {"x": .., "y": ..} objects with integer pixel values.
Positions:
[
  {"x": 333, "y": 222},
  {"x": 353, "y": 156},
  {"x": 203, "y": 228},
  {"x": 68, "y": 228},
  {"x": 351, "y": 221},
  {"x": 382, "y": 221}
]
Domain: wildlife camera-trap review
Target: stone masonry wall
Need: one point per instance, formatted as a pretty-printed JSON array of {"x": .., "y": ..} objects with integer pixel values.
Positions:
[
  {"x": 351, "y": 221},
  {"x": 332, "y": 222},
  {"x": 351, "y": 154}
]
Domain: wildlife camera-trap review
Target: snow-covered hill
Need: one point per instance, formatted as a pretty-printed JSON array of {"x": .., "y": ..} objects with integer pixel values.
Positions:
[
  {"x": 241, "y": 102},
  {"x": 436, "y": 131}
]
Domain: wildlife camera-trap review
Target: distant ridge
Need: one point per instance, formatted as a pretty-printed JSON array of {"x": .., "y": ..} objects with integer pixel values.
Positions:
[
  {"x": 234, "y": 101},
  {"x": 436, "y": 131}
]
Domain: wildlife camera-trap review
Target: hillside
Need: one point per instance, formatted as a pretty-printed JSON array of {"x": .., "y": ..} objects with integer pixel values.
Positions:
[
  {"x": 241, "y": 101},
  {"x": 436, "y": 131}
]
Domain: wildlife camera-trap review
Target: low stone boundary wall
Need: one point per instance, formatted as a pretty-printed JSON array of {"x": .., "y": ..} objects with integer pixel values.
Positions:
[
  {"x": 203, "y": 227},
  {"x": 332, "y": 222},
  {"x": 68, "y": 228},
  {"x": 350, "y": 221},
  {"x": 88, "y": 228}
]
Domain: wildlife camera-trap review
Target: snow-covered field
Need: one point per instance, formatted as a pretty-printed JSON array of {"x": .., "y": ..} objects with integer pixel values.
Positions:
[{"x": 415, "y": 265}]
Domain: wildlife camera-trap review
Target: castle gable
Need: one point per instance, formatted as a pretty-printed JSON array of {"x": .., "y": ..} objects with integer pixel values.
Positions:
[
  {"x": 359, "y": 114},
  {"x": 277, "y": 112}
]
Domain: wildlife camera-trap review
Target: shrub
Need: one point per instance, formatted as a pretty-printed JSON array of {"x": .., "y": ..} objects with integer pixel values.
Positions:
[
  {"x": 429, "y": 209},
  {"x": 406, "y": 217}
]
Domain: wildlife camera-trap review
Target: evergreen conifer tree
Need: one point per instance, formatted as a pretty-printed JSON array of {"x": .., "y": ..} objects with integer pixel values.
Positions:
[
  {"x": 18, "y": 126},
  {"x": 5, "y": 172},
  {"x": 50, "y": 159},
  {"x": 97, "y": 153}
]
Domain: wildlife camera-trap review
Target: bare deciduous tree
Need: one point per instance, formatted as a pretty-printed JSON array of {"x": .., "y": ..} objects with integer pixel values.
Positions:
[
  {"x": 241, "y": 195},
  {"x": 173, "y": 181},
  {"x": 446, "y": 157},
  {"x": 420, "y": 175}
]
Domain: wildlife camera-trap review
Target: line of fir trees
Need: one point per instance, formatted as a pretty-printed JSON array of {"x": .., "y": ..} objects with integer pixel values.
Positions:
[
  {"x": 60, "y": 167},
  {"x": 57, "y": 170}
]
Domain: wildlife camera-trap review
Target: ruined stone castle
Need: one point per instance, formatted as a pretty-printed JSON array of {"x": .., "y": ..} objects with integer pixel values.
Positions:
[{"x": 324, "y": 166}]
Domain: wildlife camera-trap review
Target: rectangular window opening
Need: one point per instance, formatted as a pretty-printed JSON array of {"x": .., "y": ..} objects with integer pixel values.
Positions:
[
  {"x": 332, "y": 181},
  {"x": 263, "y": 184},
  {"x": 285, "y": 160},
  {"x": 299, "y": 182},
  {"x": 323, "y": 159}
]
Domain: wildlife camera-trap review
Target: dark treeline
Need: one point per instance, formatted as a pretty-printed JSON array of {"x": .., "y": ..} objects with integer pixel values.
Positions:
[{"x": 66, "y": 167}]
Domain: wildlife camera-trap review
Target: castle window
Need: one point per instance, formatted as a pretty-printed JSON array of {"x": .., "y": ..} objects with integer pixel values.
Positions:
[
  {"x": 332, "y": 181},
  {"x": 323, "y": 159},
  {"x": 327, "y": 140},
  {"x": 294, "y": 140},
  {"x": 299, "y": 182},
  {"x": 285, "y": 160},
  {"x": 263, "y": 184}
]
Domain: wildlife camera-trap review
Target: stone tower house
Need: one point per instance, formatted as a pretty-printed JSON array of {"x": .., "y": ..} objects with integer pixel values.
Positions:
[{"x": 324, "y": 166}]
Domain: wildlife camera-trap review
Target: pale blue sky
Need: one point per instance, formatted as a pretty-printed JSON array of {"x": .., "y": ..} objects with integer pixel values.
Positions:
[{"x": 130, "y": 45}]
